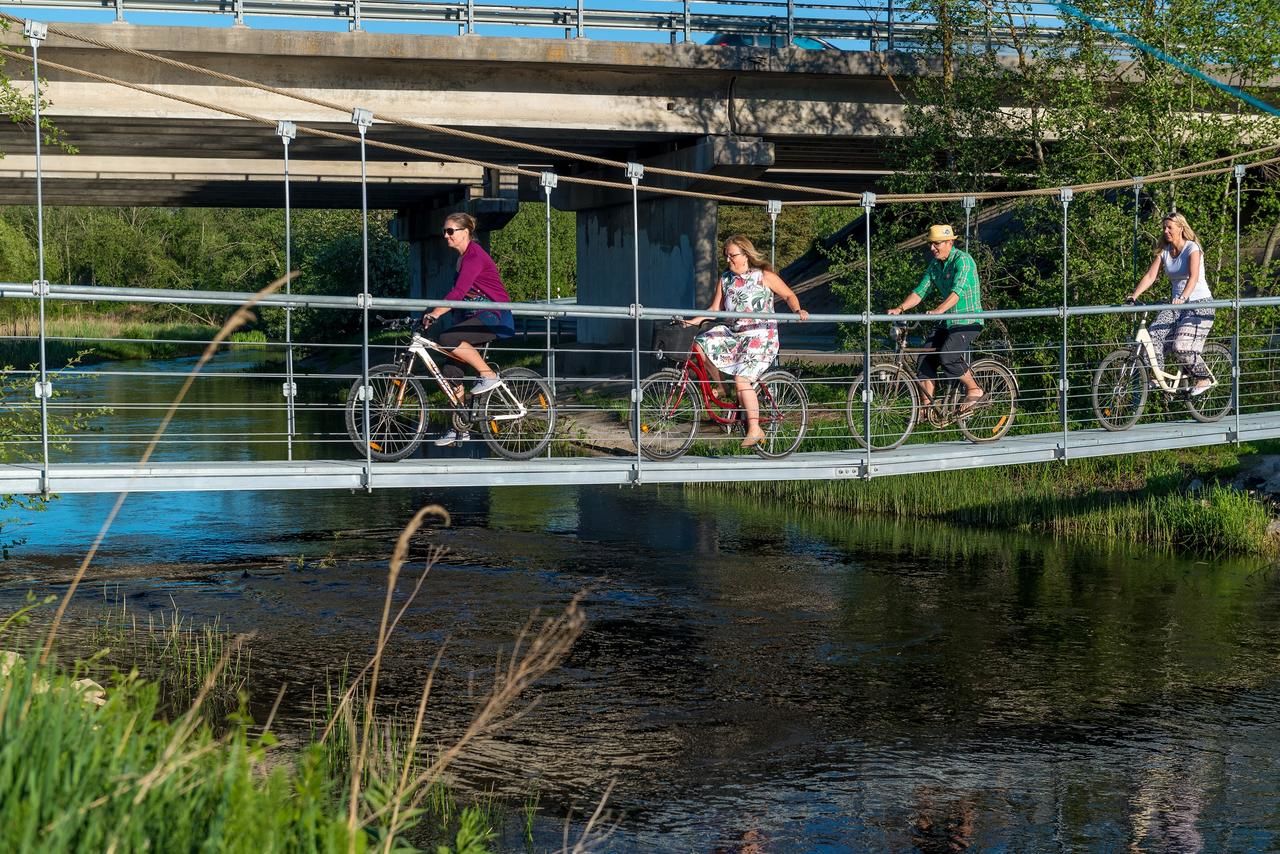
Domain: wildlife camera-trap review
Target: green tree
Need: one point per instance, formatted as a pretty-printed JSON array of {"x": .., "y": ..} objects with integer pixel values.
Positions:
[
  {"x": 519, "y": 250},
  {"x": 1006, "y": 110},
  {"x": 328, "y": 252}
]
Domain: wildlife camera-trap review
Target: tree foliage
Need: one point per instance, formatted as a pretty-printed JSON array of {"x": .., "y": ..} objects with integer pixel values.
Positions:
[
  {"x": 206, "y": 249},
  {"x": 519, "y": 250},
  {"x": 1002, "y": 110}
]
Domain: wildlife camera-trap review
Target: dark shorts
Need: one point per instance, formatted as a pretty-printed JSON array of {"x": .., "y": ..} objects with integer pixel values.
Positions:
[
  {"x": 474, "y": 331},
  {"x": 952, "y": 343}
]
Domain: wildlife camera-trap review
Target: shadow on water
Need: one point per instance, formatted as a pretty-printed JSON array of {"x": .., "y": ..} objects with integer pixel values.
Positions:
[{"x": 758, "y": 677}]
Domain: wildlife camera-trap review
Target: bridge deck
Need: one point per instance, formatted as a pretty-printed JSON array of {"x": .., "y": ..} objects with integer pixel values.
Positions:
[{"x": 69, "y": 478}]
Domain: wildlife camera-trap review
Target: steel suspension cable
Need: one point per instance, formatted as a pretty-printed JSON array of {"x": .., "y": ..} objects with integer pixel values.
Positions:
[{"x": 1190, "y": 171}]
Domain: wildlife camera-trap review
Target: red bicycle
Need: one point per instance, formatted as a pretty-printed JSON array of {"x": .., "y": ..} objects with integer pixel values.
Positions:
[{"x": 672, "y": 401}]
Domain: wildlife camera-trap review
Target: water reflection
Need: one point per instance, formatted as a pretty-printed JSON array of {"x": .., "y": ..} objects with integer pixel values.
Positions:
[{"x": 761, "y": 677}]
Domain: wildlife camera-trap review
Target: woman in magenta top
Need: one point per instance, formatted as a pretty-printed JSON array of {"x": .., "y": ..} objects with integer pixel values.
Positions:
[{"x": 478, "y": 279}]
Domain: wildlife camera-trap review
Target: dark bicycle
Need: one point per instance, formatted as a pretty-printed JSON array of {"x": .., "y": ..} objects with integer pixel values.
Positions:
[
  {"x": 672, "y": 401},
  {"x": 895, "y": 398},
  {"x": 517, "y": 418}
]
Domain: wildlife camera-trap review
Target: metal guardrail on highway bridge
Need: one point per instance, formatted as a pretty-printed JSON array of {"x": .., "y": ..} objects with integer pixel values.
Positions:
[{"x": 763, "y": 23}]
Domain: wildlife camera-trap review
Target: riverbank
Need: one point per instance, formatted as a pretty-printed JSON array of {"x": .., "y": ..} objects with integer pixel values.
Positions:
[
  {"x": 137, "y": 733},
  {"x": 93, "y": 340},
  {"x": 1202, "y": 500}
]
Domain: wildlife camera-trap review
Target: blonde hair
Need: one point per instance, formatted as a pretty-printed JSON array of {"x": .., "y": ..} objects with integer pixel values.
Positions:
[
  {"x": 462, "y": 220},
  {"x": 754, "y": 258},
  {"x": 1180, "y": 221}
]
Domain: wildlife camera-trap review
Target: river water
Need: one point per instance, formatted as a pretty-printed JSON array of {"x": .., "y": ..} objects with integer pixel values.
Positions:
[{"x": 754, "y": 677}]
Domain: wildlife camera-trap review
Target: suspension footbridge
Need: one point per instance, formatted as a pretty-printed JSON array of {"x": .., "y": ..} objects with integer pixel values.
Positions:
[{"x": 261, "y": 416}]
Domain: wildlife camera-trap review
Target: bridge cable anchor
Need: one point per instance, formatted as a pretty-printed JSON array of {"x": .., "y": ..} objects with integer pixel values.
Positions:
[
  {"x": 35, "y": 31},
  {"x": 362, "y": 118},
  {"x": 40, "y": 288},
  {"x": 635, "y": 171},
  {"x": 42, "y": 390}
]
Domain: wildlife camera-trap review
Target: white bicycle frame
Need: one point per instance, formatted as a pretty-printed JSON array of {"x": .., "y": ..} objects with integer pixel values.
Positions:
[
  {"x": 420, "y": 344},
  {"x": 1168, "y": 382}
]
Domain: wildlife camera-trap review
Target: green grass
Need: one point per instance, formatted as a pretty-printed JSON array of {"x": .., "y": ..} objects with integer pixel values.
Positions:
[
  {"x": 1140, "y": 498},
  {"x": 86, "y": 338},
  {"x": 77, "y": 777},
  {"x": 166, "y": 764}
]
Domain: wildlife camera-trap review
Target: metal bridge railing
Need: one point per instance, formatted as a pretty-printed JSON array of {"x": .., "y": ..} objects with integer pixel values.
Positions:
[
  {"x": 888, "y": 25},
  {"x": 235, "y": 410}
]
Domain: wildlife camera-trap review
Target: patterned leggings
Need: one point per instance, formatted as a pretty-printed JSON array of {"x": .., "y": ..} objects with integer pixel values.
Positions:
[{"x": 1190, "y": 330}]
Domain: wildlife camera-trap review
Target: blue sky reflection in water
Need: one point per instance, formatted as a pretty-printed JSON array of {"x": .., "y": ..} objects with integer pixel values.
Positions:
[{"x": 757, "y": 675}]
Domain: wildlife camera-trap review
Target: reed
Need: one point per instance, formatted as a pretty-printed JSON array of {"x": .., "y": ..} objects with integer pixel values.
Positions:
[
  {"x": 1140, "y": 497},
  {"x": 74, "y": 776},
  {"x": 122, "y": 778}
]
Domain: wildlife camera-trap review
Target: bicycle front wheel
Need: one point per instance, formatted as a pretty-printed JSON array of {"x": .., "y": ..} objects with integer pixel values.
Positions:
[
  {"x": 894, "y": 407},
  {"x": 668, "y": 415},
  {"x": 397, "y": 414},
  {"x": 518, "y": 418},
  {"x": 1217, "y": 401},
  {"x": 784, "y": 414},
  {"x": 1119, "y": 390},
  {"x": 993, "y": 416}
]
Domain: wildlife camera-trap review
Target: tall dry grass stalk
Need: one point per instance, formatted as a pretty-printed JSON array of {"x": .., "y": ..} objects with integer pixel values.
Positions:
[
  {"x": 238, "y": 318},
  {"x": 538, "y": 649}
]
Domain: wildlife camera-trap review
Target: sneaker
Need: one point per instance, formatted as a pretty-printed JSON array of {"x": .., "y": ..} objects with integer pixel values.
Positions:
[
  {"x": 486, "y": 384},
  {"x": 453, "y": 437},
  {"x": 1201, "y": 387}
]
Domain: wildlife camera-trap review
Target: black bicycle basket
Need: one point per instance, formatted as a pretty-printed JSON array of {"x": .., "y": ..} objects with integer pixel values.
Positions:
[{"x": 673, "y": 341}]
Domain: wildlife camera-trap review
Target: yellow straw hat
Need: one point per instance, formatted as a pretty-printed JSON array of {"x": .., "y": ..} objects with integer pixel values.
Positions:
[{"x": 938, "y": 233}]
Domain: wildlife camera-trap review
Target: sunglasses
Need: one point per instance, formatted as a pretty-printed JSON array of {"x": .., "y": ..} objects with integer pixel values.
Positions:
[
  {"x": 449, "y": 232},
  {"x": 732, "y": 255}
]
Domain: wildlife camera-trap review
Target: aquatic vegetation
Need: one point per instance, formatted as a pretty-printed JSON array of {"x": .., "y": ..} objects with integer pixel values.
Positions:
[{"x": 1141, "y": 498}]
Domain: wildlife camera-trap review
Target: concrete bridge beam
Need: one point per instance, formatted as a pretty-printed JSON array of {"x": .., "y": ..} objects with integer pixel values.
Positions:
[
  {"x": 677, "y": 235},
  {"x": 493, "y": 201}
]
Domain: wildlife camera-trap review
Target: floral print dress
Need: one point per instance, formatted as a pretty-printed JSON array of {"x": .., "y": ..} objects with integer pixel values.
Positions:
[{"x": 749, "y": 346}]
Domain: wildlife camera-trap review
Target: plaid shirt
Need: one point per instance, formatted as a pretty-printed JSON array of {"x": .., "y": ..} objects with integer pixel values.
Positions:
[{"x": 959, "y": 275}]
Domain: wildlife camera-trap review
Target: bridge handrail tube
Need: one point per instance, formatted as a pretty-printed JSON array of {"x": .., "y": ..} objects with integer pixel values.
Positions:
[
  {"x": 858, "y": 26},
  {"x": 560, "y": 308}
]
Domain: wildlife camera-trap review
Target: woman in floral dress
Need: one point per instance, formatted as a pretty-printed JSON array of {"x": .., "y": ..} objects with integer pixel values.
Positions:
[{"x": 745, "y": 347}]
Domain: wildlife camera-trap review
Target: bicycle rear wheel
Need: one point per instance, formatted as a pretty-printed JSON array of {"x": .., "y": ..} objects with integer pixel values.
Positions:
[
  {"x": 1119, "y": 390},
  {"x": 518, "y": 419},
  {"x": 669, "y": 415},
  {"x": 1217, "y": 401},
  {"x": 894, "y": 407},
  {"x": 993, "y": 416},
  {"x": 784, "y": 414},
  {"x": 397, "y": 414}
]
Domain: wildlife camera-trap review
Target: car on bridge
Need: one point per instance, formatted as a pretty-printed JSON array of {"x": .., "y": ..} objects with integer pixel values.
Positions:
[{"x": 772, "y": 41}]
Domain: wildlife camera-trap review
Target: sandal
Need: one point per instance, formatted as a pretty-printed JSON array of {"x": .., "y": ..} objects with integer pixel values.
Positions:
[{"x": 971, "y": 402}]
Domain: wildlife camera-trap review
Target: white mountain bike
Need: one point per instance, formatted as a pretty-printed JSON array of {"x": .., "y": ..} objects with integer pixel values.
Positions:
[
  {"x": 517, "y": 418},
  {"x": 1124, "y": 378}
]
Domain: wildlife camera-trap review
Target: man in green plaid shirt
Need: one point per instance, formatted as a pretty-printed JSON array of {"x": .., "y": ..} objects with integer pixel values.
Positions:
[{"x": 954, "y": 276}]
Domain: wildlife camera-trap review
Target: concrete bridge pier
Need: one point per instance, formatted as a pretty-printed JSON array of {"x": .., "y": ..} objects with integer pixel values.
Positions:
[
  {"x": 432, "y": 264},
  {"x": 678, "y": 254}
]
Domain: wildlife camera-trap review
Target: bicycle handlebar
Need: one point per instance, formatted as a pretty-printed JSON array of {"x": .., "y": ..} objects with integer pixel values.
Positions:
[{"x": 396, "y": 322}]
